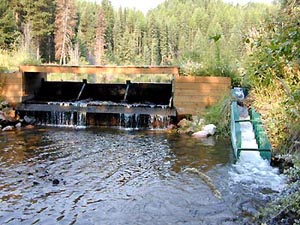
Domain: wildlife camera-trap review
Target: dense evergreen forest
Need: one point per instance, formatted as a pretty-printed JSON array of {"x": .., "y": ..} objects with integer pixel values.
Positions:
[{"x": 204, "y": 35}]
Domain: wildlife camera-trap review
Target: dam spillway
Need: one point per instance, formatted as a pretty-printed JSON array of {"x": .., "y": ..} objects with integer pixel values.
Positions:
[{"x": 129, "y": 105}]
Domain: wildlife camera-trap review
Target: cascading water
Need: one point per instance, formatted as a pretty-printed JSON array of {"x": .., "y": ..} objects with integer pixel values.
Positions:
[
  {"x": 254, "y": 172},
  {"x": 81, "y": 119},
  {"x": 140, "y": 121},
  {"x": 64, "y": 119},
  {"x": 251, "y": 170},
  {"x": 130, "y": 105}
]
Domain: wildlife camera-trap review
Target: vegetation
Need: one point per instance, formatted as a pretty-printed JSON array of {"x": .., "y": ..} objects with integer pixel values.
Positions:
[
  {"x": 207, "y": 42},
  {"x": 10, "y": 60},
  {"x": 274, "y": 77},
  {"x": 219, "y": 115}
]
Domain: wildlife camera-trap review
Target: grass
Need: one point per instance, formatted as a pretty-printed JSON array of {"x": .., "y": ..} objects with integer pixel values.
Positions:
[
  {"x": 10, "y": 60},
  {"x": 219, "y": 115}
]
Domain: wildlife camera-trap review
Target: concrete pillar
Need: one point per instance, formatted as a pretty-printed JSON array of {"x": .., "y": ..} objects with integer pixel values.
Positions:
[
  {"x": 12, "y": 87},
  {"x": 17, "y": 87}
]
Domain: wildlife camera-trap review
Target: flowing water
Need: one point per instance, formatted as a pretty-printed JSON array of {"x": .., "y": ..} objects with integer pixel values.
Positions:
[{"x": 109, "y": 176}]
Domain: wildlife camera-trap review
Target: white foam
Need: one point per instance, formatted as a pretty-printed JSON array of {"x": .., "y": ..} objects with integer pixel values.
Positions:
[
  {"x": 247, "y": 136},
  {"x": 256, "y": 172}
]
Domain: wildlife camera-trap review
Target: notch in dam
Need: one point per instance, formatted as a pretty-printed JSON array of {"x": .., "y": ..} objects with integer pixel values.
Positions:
[{"x": 129, "y": 105}]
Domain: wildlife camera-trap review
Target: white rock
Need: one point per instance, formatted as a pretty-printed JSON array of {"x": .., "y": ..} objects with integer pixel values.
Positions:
[
  {"x": 210, "y": 129},
  {"x": 2, "y": 117},
  {"x": 7, "y": 128},
  {"x": 200, "y": 134}
]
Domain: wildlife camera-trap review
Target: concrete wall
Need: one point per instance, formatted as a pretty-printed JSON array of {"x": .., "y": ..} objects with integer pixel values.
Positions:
[
  {"x": 12, "y": 87},
  {"x": 16, "y": 87},
  {"x": 192, "y": 95}
]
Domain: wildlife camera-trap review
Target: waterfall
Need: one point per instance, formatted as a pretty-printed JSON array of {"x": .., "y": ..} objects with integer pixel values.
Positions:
[
  {"x": 141, "y": 121},
  {"x": 77, "y": 115}
]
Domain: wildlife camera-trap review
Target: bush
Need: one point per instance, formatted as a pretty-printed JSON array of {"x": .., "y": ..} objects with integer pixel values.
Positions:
[
  {"x": 219, "y": 115},
  {"x": 274, "y": 75},
  {"x": 10, "y": 60}
]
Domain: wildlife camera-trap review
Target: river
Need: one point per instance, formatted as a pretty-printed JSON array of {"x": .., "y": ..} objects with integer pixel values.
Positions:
[{"x": 112, "y": 176}]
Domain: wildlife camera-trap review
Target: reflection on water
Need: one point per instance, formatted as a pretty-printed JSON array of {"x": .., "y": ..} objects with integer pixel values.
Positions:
[{"x": 103, "y": 176}]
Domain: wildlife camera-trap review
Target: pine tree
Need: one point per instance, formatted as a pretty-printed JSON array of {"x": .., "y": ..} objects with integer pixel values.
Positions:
[
  {"x": 154, "y": 41},
  {"x": 118, "y": 33},
  {"x": 40, "y": 17},
  {"x": 8, "y": 28},
  {"x": 65, "y": 22},
  {"x": 110, "y": 21},
  {"x": 165, "y": 45},
  {"x": 100, "y": 37},
  {"x": 87, "y": 30}
]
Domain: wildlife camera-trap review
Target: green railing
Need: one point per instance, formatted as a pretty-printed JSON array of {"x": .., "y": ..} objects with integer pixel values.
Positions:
[{"x": 264, "y": 146}]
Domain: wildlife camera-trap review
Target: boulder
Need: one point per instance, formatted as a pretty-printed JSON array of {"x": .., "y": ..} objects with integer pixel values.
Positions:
[
  {"x": 7, "y": 128},
  {"x": 184, "y": 123},
  {"x": 210, "y": 129},
  {"x": 9, "y": 114},
  {"x": 200, "y": 134}
]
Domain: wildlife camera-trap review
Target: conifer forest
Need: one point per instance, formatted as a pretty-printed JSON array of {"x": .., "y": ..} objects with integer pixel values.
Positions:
[{"x": 205, "y": 35}]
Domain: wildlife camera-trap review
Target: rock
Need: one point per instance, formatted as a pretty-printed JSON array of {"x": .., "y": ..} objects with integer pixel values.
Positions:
[
  {"x": 171, "y": 128},
  {"x": 200, "y": 134},
  {"x": 2, "y": 117},
  {"x": 18, "y": 125},
  {"x": 29, "y": 120},
  {"x": 9, "y": 114},
  {"x": 210, "y": 129},
  {"x": 184, "y": 123},
  {"x": 7, "y": 128},
  {"x": 282, "y": 162},
  {"x": 29, "y": 126},
  {"x": 198, "y": 121},
  {"x": 3, "y": 104},
  {"x": 209, "y": 141},
  {"x": 55, "y": 182},
  {"x": 35, "y": 183}
]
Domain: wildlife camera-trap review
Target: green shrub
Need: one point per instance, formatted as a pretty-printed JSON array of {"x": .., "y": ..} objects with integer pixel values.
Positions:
[
  {"x": 11, "y": 60},
  {"x": 219, "y": 115},
  {"x": 274, "y": 75}
]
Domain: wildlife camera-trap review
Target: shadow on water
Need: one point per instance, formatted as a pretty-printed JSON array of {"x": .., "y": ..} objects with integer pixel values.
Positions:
[{"x": 108, "y": 176}]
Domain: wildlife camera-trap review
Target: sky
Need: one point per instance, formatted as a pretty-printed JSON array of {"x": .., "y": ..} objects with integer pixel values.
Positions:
[{"x": 145, "y": 5}]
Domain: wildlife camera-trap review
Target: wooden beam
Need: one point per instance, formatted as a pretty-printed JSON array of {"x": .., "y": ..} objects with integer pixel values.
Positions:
[
  {"x": 126, "y": 70},
  {"x": 197, "y": 79}
]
